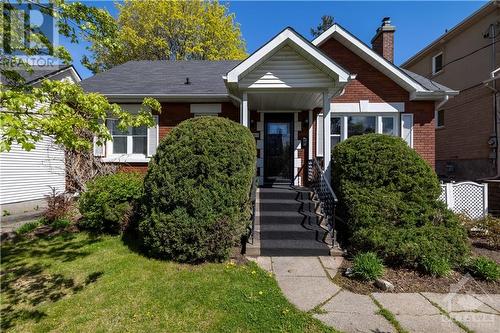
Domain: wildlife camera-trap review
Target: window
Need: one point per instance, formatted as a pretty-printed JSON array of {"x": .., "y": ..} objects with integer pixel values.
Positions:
[
  {"x": 347, "y": 125},
  {"x": 388, "y": 126},
  {"x": 335, "y": 129},
  {"x": 358, "y": 125},
  {"x": 133, "y": 140},
  {"x": 437, "y": 63},
  {"x": 440, "y": 118}
]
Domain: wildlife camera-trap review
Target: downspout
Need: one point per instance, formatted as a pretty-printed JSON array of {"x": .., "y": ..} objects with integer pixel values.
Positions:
[{"x": 495, "y": 119}]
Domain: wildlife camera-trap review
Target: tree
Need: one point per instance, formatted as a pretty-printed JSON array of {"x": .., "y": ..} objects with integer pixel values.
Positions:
[
  {"x": 167, "y": 30},
  {"x": 59, "y": 110},
  {"x": 326, "y": 23}
]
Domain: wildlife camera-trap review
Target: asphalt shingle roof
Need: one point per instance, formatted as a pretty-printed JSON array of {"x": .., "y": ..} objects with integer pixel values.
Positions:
[
  {"x": 39, "y": 72},
  {"x": 425, "y": 82},
  {"x": 162, "y": 78}
]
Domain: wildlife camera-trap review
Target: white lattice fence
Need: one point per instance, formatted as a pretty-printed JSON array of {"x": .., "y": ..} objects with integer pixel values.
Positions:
[{"x": 467, "y": 198}]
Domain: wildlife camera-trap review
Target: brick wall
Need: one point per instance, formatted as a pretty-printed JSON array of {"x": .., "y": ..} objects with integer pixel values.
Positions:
[
  {"x": 371, "y": 84},
  {"x": 171, "y": 115}
]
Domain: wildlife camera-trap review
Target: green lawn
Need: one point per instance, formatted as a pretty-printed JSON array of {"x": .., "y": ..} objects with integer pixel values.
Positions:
[{"x": 77, "y": 283}]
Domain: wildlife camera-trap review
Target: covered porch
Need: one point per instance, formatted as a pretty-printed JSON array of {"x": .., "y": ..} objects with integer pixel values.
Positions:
[{"x": 281, "y": 89}]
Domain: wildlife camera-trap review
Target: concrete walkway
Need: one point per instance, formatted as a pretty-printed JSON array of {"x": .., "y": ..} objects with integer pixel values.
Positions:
[{"x": 306, "y": 282}]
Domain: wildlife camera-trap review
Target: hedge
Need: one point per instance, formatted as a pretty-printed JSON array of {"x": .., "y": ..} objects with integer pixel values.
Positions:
[
  {"x": 388, "y": 199},
  {"x": 196, "y": 190}
]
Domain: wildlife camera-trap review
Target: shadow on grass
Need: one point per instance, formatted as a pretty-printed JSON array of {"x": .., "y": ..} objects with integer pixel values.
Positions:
[{"x": 25, "y": 283}]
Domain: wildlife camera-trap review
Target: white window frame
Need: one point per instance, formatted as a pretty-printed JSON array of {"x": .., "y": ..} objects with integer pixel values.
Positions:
[
  {"x": 434, "y": 72},
  {"x": 344, "y": 123},
  {"x": 129, "y": 155}
]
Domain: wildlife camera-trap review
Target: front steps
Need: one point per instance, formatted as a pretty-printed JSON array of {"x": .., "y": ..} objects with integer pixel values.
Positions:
[{"x": 287, "y": 225}]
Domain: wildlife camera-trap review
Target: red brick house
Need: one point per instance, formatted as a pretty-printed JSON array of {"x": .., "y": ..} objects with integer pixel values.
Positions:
[{"x": 290, "y": 92}]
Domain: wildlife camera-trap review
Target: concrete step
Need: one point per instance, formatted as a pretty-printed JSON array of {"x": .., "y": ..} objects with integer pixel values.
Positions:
[
  {"x": 293, "y": 248},
  {"x": 271, "y": 193},
  {"x": 291, "y": 206},
  {"x": 314, "y": 235},
  {"x": 291, "y": 227}
]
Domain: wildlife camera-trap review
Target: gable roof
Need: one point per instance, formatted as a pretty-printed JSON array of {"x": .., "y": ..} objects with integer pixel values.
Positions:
[
  {"x": 289, "y": 37},
  {"x": 41, "y": 72},
  {"x": 161, "y": 78},
  {"x": 419, "y": 87}
]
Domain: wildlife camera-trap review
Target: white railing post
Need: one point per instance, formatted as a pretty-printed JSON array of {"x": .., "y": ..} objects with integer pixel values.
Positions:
[
  {"x": 450, "y": 200},
  {"x": 485, "y": 199}
]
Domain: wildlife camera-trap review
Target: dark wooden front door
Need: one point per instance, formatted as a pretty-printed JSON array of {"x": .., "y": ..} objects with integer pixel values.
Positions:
[{"x": 278, "y": 148}]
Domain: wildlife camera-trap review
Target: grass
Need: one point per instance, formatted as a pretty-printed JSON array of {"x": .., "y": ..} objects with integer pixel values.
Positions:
[
  {"x": 27, "y": 227},
  {"x": 391, "y": 318},
  {"x": 79, "y": 283}
]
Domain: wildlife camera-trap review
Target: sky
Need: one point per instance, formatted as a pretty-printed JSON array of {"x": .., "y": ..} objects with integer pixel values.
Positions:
[{"x": 418, "y": 23}]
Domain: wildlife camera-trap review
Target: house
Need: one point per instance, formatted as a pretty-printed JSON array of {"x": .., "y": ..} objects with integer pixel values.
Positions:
[
  {"x": 299, "y": 98},
  {"x": 26, "y": 177},
  {"x": 467, "y": 126}
]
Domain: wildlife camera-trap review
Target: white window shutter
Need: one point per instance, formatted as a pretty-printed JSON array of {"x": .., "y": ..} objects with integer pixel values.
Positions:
[
  {"x": 98, "y": 149},
  {"x": 153, "y": 137},
  {"x": 407, "y": 128}
]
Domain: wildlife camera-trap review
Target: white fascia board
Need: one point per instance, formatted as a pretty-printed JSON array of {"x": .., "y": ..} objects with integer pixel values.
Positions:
[
  {"x": 432, "y": 95},
  {"x": 364, "y": 106},
  {"x": 290, "y": 37},
  {"x": 370, "y": 56},
  {"x": 169, "y": 97}
]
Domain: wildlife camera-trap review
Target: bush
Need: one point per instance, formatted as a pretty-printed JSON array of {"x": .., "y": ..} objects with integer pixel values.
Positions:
[
  {"x": 28, "y": 227},
  {"x": 109, "y": 202},
  {"x": 367, "y": 266},
  {"x": 58, "y": 206},
  {"x": 487, "y": 228},
  {"x": 388, "y": 198},
  {"x": 484, "y": 268},
  {"x": 196, "y": 191},
  {"x": 435, "y": 266},
  {"x": 60, "y": 224}
]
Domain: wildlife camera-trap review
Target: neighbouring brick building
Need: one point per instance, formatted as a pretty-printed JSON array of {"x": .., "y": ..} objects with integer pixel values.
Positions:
[
  {"x": 299, "y": 98},
  {"x": 467, "y": 125}
]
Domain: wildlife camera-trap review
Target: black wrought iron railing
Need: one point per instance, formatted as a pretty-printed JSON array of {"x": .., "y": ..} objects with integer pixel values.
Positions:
[{"x": 324, "y": 193}]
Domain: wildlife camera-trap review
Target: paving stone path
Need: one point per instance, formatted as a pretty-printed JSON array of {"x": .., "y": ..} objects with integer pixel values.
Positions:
[{"x": 306, "y": 282}]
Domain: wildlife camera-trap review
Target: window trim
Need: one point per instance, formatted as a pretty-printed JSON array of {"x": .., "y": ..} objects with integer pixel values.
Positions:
[
  {"x": 434, "y": 72},
  {"x": 129, "y": 155},
  {"x": 344, "y": 121}
]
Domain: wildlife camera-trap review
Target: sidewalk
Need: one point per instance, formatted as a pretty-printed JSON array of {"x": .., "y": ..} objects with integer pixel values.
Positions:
[{"x": 306, "y": 282}]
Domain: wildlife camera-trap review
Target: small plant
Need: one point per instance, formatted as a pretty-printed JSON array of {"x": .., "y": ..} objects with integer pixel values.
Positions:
[
  {"x": 487, "y": 228},
  {"x": 58, "y": 206},
  {"x": 109, "y": 202},
  {"x": 367, "y": 266},
  {"x": 435, "y": 265},
  {"x": 484, "y": 268},
  {"x": 60, "y": 224},
  {"x": 28, "y": 227},
  {"x": 5, "y": 212}
]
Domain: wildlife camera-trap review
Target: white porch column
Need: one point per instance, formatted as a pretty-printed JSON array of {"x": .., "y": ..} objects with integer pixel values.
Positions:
[
  {"x": 245, "y": 115},
  {"x": 327, "y": 151}
]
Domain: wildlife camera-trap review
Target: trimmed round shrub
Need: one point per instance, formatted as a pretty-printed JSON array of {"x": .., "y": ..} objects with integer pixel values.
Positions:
[
  {"x": 388, "y": 198},
  {"x": 367, "y": 266},
  {"x": 108, "y": 203},
  {"x": 484, "y": 268},
  {"x": 196, "y": 191}
]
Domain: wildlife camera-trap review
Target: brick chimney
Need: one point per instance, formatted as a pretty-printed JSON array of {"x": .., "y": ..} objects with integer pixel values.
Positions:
[{"x": 383, "y": 41}]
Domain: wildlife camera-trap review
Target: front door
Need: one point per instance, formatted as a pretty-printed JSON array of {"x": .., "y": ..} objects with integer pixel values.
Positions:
[{"x": 278, "y": 148}]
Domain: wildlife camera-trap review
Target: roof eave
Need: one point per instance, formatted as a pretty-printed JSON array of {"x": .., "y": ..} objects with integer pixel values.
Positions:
[{"x": 432, "y": 95}]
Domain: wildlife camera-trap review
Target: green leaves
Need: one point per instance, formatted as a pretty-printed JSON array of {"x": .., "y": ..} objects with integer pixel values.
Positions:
[{"x": 63, "y": 111}]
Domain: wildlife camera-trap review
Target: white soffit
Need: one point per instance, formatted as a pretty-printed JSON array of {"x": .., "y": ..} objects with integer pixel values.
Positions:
[{"x": 300, "y": 45}]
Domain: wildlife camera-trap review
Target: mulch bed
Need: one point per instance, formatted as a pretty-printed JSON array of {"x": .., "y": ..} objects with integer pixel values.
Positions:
[
  {"x": 480, "y": 247},
  {"x": 406, "y": 280}
]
